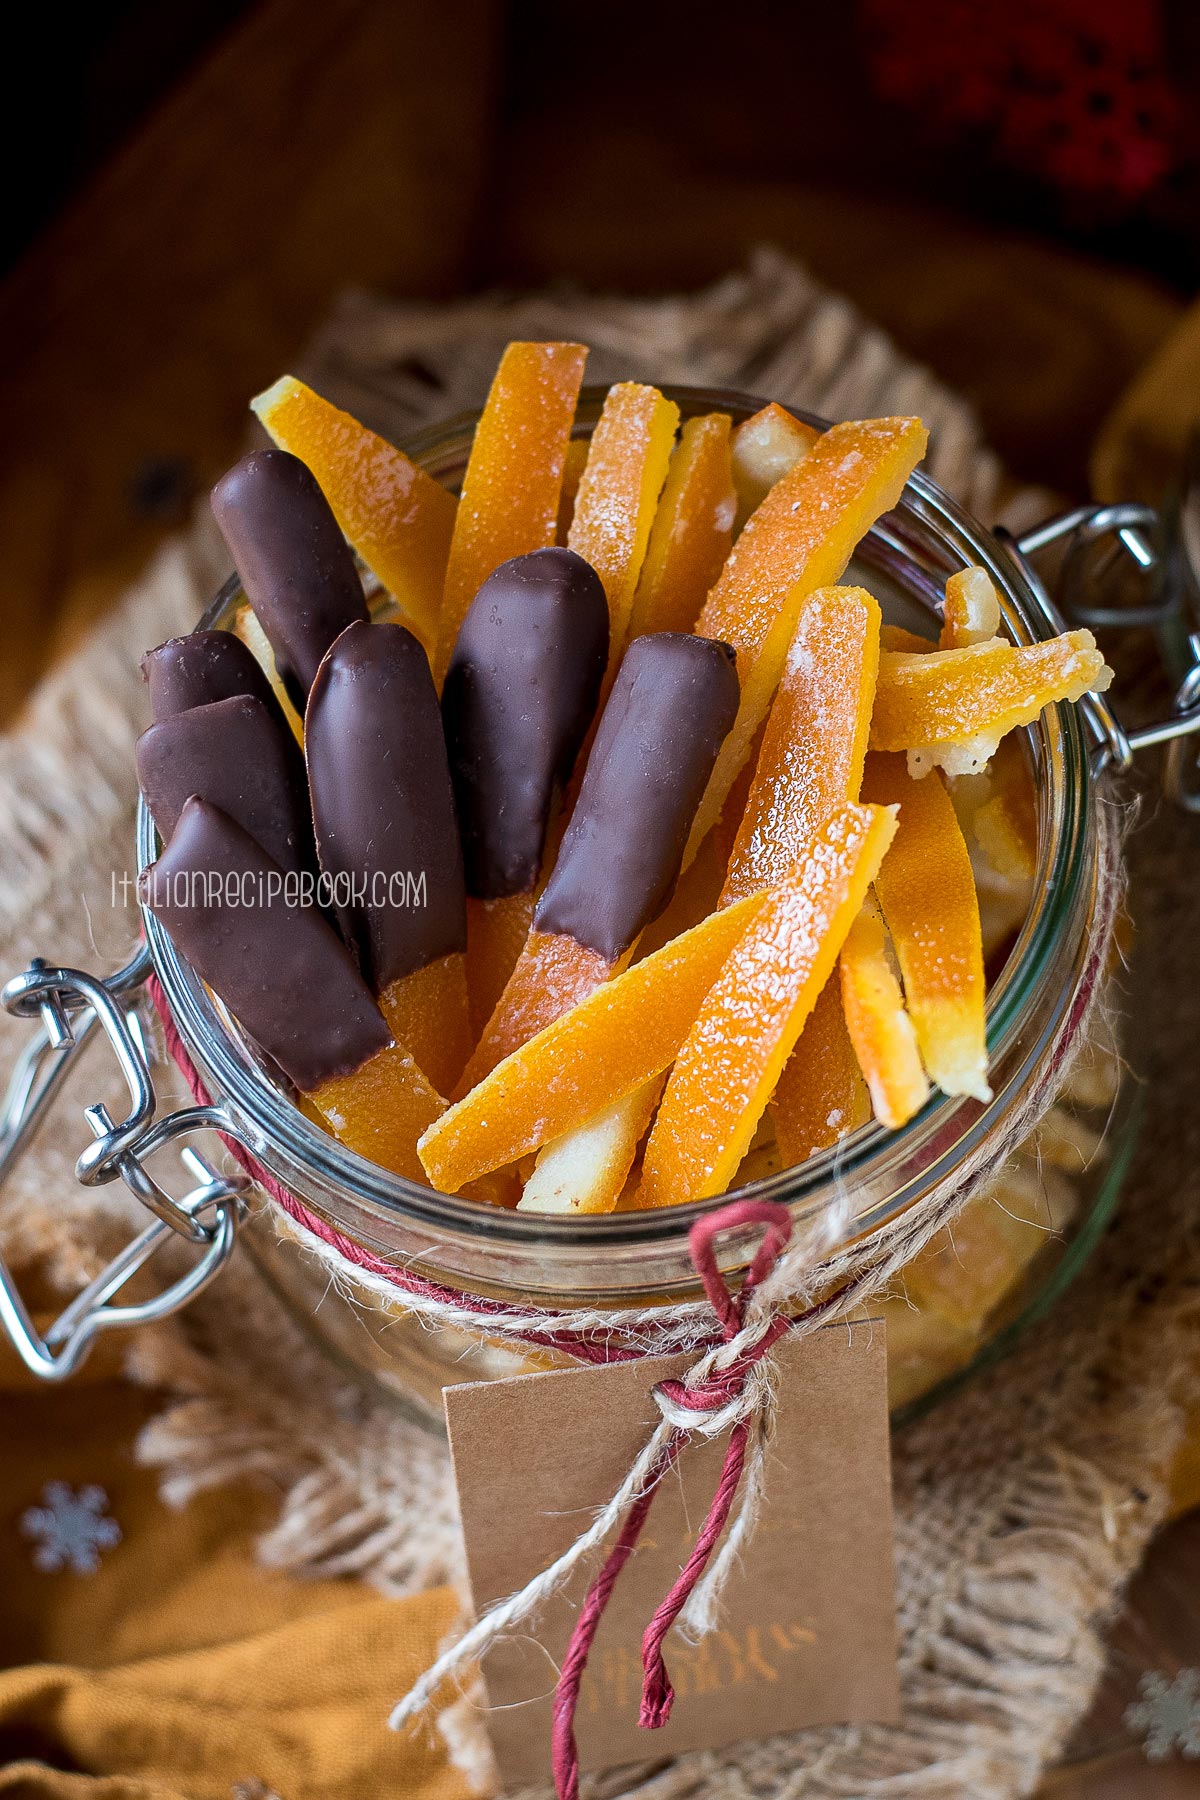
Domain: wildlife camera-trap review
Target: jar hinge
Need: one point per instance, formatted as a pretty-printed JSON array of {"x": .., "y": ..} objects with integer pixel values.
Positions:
[
  {"x": 71, "y": 1008},
  {"x": 1137, "y": 533}
]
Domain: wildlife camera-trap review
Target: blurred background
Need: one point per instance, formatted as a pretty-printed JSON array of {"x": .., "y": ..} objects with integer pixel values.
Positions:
[{"x": 1011, "y": 189}]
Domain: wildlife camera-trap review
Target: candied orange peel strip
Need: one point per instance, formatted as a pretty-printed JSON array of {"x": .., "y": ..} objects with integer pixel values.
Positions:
[
  {"x": 897, "y": 637},
  {"x": 614, "y": 508},
  {"x": 427, "y": 1012},
  {"x": 381, "y": 1109},
  {"x": 553, "y": 973},
  {"x": 397, "y": 517},
  {"x": 1004, "y": 824},
  {"x": 765, "y": 447},
  {"x": 496, "y": 934},
  {"x": 799, "y": 539},
  {"x": 811, "y": 760},
  {"x": 971, "y": 614},
  {"x": 692, "y": 530},
  {"x": 586, "y": 1171},
  {"x": 927, "y": 892},
  {"x": 617, "y": 1039},
  {"x": 513, "y": 482},
  {"x": 971, "y": 697},
  {"x": 821, "y": 1095},
  {"x": 879, "y": 1027},
  {"x": 732, "y": 1058},
  {"x": 247, "y": 627}
]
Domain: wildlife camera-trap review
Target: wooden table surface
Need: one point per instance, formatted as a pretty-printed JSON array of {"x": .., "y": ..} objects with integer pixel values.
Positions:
[{"x": 416, "y": 149}]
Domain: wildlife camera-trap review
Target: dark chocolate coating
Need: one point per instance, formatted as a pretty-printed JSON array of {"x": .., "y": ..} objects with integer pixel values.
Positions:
[
  {"x": 294, "y": 563},
  {"x": 519, "y": 696},
  {"x": 382, "y": 803},
  {"x": 280, "y": 967},
  {"x": 239, "y": 756},
  {"x": 671, "y": 707},
  {"x": 194, "y": 671}
]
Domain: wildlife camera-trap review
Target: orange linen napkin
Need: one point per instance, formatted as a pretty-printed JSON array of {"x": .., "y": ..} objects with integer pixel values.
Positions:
[{"x": 180, "y": 1668}]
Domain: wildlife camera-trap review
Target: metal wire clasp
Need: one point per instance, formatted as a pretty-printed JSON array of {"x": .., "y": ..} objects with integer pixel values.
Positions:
[
  {"x": 1137, "y": 535},
  {"x": 71, "y": 1008}
]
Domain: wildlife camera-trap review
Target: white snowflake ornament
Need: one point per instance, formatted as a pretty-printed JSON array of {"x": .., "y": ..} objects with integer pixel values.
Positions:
[
  {"x": 70, "y": 1528},
  {"x": 1168, "y": 1714}
]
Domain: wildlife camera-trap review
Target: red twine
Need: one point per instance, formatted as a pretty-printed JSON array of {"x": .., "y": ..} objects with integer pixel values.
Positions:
[{"x": 721, "y": 1389}]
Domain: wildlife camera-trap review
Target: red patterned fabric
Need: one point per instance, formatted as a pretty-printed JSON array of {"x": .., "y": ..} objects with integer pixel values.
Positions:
[{"x": 1072, "y": 92}]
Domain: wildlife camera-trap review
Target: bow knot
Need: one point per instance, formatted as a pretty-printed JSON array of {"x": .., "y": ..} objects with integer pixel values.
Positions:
[{"x": 724, "y": 1392}]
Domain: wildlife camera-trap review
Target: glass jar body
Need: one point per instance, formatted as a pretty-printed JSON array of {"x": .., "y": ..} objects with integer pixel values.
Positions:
[{"x": 873, "y": 1178}]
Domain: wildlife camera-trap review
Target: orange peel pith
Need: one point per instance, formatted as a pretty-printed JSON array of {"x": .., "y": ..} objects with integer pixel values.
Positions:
[
  {"x": 879, "y": 1027},
  {"x": 586, "y": 1170},
  {"x": 765, "y": 448},
  {"x": 971, "y": 614},
  {"x": 247, "y": 627},
  {"x": 927, "y": 893}
]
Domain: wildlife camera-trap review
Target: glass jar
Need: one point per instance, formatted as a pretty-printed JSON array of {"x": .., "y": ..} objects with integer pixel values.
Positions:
[{"x": 628, "y": 1259}]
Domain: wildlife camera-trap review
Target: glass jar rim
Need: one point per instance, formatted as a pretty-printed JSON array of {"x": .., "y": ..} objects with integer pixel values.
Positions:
[{"x": 943, "y": 1133}]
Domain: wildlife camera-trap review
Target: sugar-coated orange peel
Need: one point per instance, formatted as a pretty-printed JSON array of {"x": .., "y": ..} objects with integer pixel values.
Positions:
[
  {"x": 614, "y": 508},
  {"x": 732, "y": 1058},
  {"x": 496, "y": 934},
  {"x": 821, "y": 1095},
  {"x": 427, "y": 1012},
  {"x": 952, "y": 707},
  {"x": 811, "y": 760},
  {"x": 513, "y": 482},
  {"x": 878, "y": 1025},
  {"x": 971, "y": 614},
  {"x": 692, "y": 530},
  {"x": 765, "y": 448},
  {"x": 622, "y": 1035},
  {"x": 586, "y": 1171},
  {"x": 927, "y": 892},
  {"x": 381, "y": 1109},
  {"x": 397, "y": 517},
  {"x": 800, "y": 539},
  {"x": 553, "y": 973}
]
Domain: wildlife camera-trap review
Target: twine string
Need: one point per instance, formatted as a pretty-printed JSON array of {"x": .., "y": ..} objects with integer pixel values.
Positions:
[{"x": 720, "y": 1393}]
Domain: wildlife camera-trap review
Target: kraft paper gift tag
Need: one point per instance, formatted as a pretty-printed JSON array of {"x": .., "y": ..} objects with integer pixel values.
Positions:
[{"x": 808, "y": 1633}]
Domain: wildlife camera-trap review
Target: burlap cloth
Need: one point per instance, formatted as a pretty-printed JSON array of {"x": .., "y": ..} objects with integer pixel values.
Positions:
[{"x": 1022, "y": 1504}]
